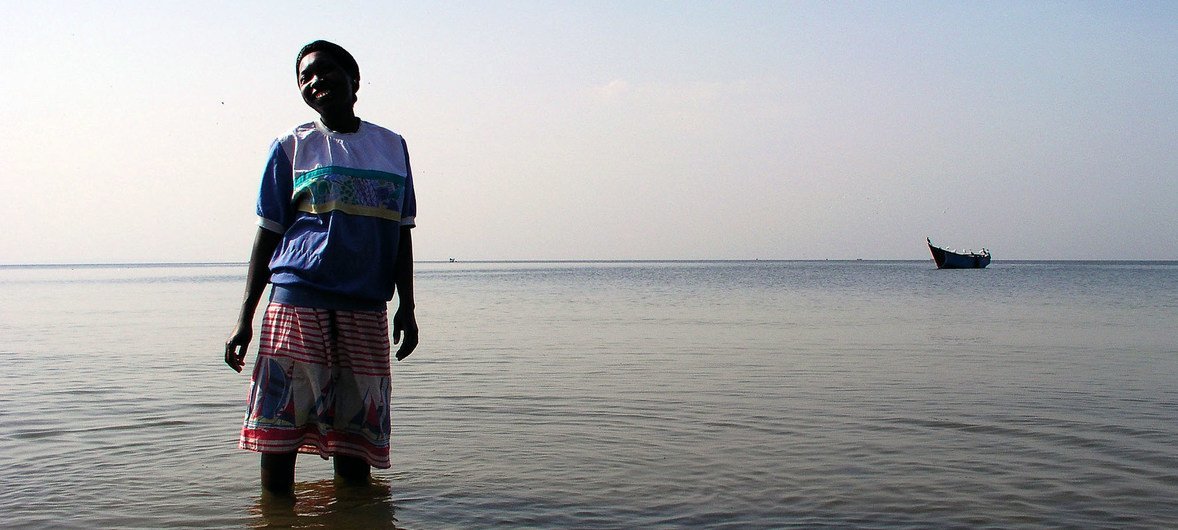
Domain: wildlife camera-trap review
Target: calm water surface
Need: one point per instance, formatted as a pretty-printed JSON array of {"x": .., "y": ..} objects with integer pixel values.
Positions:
[{"x": 616, "y": 395}]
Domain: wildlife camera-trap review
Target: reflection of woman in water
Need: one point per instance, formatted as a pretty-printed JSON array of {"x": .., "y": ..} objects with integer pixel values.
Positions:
[
  {"x": 335, "y": 211},
  {"x": 330, "y": 504}
]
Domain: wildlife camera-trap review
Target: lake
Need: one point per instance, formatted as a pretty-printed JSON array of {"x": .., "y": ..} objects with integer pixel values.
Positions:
[{"x": 748, "y": 394}]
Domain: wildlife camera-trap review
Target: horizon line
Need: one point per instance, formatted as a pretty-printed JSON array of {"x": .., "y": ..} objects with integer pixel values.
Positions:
[{"x": 605, "y": 260}]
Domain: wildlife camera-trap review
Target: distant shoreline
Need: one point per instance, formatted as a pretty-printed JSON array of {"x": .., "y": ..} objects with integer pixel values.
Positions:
[{"x": 148, "y": 265}]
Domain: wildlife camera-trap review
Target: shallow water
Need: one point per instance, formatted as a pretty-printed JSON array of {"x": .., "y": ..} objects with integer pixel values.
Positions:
[{"x": 717, "y": 394}]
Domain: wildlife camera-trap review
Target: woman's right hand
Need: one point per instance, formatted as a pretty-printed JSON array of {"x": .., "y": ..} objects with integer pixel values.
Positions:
[{"x": 235, "y": 347}]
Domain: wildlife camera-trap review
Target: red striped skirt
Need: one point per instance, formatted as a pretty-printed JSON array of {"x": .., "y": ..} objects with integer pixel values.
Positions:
[{"x": 321, "y": 384}]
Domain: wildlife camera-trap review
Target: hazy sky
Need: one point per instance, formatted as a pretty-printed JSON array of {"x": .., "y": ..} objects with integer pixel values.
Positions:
[{"x": 137, "y": 131}]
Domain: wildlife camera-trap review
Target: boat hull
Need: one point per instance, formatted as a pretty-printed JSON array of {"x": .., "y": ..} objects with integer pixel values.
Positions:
[{"x": 946, "y": 259}]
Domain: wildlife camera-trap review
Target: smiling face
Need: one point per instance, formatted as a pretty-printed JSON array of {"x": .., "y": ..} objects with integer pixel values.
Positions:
[{"x": 326, "y": 86}]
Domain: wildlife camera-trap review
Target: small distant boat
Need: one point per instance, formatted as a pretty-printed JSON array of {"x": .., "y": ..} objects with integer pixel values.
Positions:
[{"x": 947, "y": 259}]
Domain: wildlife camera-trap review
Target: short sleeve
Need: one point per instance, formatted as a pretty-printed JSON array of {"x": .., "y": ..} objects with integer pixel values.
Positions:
[
  {"x": 409, "y": 206},
  {"x": 275, "y": 209}
]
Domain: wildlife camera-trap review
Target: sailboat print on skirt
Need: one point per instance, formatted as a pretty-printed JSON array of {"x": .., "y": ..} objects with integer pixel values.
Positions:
[{"x": 275, "y": 404}]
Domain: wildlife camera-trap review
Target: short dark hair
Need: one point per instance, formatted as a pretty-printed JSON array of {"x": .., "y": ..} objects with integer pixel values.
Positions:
[{"x": 337, "y": 52}]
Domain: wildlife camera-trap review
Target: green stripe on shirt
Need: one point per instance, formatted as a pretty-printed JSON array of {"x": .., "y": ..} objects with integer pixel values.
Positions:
[{"x": 351, "y": 172}]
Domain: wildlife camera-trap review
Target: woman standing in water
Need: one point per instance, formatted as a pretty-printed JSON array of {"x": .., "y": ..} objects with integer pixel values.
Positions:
[{"x": 335, "y": 211}]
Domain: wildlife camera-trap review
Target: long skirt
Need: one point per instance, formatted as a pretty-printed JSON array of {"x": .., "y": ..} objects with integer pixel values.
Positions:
[{"x": 321, "y": 384}]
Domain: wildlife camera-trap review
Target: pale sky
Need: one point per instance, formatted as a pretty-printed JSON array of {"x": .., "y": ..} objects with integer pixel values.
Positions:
[{"x": 137, "y": 131}]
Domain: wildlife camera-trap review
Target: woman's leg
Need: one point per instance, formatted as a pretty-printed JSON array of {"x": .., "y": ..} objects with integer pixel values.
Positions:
[
  {"x": 352, "y": 469},
  {"x": 278, "y": 473}
]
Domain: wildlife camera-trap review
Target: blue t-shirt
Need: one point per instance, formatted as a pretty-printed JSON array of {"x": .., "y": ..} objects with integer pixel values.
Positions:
[{"x": 339, "y": 200}]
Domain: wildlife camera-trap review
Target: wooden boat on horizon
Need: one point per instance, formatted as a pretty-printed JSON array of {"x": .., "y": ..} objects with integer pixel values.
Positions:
[{"x": 948, "y": 259}]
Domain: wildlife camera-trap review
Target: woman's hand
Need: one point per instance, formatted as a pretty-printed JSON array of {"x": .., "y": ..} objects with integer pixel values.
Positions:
[
  {"x": 404, "y": 321},
  {"x": 235, "y": 347}
]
